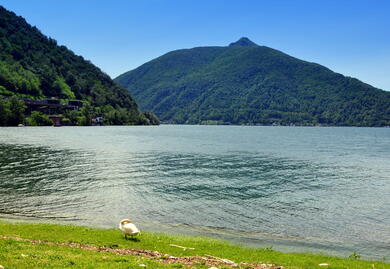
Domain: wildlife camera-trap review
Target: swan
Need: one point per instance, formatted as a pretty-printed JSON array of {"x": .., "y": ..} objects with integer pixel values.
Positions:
[{"x": 128, "y": 228}]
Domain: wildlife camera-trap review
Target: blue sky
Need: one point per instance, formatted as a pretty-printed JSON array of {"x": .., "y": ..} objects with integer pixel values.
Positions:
[{"x": 350, "y": 37}]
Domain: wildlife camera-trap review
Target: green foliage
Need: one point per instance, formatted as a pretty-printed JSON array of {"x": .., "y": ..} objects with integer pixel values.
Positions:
[
  {"x": 66, "y": 122},
  {"x": 11, "y": 111},
  {"x": 15, "y": 79},
  {"x": 4, "y": 91},
  {"x": 121, "y": 116},
  {"x": 249, "y": 84},
  {"x": 59, "y": 85},
  {"x": 354, "y": 256},
  {"x": 87, "y": 113},
  {"x": 34, "y": 66},
  {"x": 152, "y": 119},
  {"x": 17, "y": 111},
  {"x": 71, "y": 117},
  {"x": 4, "y": 112},
  {"x": 38, "y": 119}
]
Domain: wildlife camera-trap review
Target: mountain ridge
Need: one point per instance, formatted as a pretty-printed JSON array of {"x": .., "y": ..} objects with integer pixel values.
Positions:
[
  {"x": 252, "y": 85},
  {"x": 34, "y": 66},
  {"x": 243, "y": 42}
]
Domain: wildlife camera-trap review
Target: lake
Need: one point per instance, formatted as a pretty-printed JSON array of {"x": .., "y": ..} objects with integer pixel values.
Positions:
[{"x": 294, "y": 188}]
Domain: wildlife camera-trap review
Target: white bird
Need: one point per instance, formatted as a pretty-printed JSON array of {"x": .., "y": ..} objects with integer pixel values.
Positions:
[{"x": 128, "y": 228}]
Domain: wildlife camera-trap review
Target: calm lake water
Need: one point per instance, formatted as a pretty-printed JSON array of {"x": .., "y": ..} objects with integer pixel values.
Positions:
[{"x": 294, "y": 188}]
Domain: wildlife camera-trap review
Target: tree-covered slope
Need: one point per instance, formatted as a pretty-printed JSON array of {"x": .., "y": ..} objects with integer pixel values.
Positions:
[
  {"x": 244, "y": 83},
  {"x": 33, "y": 66}
]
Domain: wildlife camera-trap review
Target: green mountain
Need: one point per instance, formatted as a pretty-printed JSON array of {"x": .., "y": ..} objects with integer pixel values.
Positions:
[
  {"x": 245, "y": 83},
  {"x": 33, "y": 66}
]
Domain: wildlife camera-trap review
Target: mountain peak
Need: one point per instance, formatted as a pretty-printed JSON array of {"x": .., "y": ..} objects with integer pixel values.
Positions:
[{"x": 243, "y": 42}]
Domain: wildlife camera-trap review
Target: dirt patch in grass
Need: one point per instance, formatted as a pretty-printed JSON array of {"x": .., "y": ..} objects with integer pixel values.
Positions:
[{"x": 189, "y": 261}]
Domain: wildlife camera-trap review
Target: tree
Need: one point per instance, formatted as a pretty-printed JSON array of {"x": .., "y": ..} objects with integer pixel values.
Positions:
[
  {"x": 153, "y": 120},
  {"x": 72, "y": 116},
  {"x": 38, "y": 119},
  {"x": 87, "y": 112},
  {"x": 16, "y": 107},
  {"x": 63, "y": 89},
  {"x": 4, "y": 111}
]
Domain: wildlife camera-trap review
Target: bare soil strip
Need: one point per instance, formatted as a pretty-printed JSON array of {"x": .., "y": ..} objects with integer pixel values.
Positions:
[{"x": 208, "y": 260}]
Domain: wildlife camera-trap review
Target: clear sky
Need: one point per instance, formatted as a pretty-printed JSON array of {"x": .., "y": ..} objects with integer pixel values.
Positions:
[{"x": 350, "y": 37}]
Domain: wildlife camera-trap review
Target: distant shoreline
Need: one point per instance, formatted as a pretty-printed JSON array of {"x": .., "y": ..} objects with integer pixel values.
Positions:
[
  {"x": 263, "y": 125},
  {"x": 184, "y": 124}
]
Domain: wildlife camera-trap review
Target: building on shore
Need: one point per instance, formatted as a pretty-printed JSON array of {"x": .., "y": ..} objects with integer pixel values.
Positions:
[{"x": 52, "y": 107}]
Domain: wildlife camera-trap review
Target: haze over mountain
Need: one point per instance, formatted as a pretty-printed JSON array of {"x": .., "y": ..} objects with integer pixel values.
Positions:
[
  {"x": 245, "y": 83},
  {"x": 33, "y": 66}
]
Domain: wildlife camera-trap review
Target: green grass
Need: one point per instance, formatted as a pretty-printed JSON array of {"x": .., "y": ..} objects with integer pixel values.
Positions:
[
  {"x": 17, "y": 254},
  {"x": 14, "y": 254}
]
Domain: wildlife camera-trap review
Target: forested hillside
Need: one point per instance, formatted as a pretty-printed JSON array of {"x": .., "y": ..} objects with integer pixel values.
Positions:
[
  {"x": 34, "y": 66},
  {"x": 245, "y": 83}
]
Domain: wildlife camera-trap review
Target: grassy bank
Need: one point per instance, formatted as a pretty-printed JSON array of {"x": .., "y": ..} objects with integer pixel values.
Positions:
[{"x": 26, "y": 245}]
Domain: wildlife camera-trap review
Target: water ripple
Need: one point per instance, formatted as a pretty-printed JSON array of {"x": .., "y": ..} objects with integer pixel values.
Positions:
[{"x": 328, "y": 187}]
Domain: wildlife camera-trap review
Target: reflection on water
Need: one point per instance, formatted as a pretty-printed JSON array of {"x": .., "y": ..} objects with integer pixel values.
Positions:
[{"x": 320, "y": 189}]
